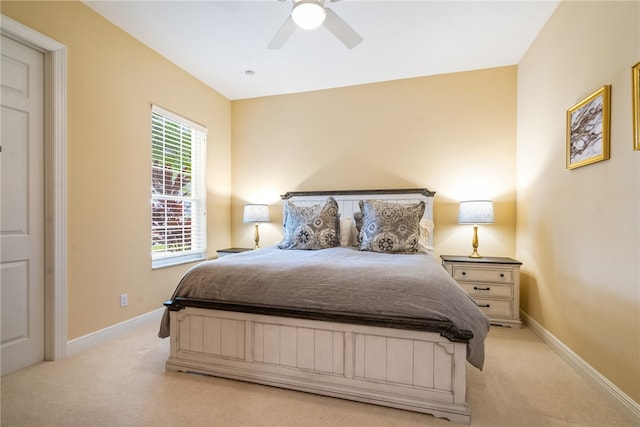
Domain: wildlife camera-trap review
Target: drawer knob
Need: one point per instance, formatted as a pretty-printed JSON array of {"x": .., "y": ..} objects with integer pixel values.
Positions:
[
  {"x": 464, "y": 273},
  {"x": 501, "y": 274}
]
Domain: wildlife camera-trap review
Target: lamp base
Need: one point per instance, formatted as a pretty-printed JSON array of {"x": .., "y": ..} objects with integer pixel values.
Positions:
[
  {"x": 256, "y": 237},
  {"x": 474, "y": 243}
]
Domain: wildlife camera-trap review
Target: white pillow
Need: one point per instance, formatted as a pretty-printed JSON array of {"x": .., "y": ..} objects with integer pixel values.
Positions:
[
  {"x": 345, "y": 231},
  {"x": 426, "y": 227}
]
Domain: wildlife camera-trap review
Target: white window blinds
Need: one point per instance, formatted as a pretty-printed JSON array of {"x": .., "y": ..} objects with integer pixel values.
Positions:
[{"x": 178, "y": 189}]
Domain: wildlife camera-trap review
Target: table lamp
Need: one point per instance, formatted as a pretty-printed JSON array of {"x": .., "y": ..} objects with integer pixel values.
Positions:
[
  {"x": 256, "y": 214},
  {"x": 475, "y": 212}
]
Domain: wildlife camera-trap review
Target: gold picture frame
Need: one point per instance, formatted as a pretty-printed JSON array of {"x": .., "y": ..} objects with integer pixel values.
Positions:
[
  {"x": 588, "y": 129},
  {"x": 635, "y": 107}
]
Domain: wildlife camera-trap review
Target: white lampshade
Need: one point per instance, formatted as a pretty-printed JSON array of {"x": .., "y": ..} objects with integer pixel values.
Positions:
[
  {"x": 476, "y": 212},
  {"x": 256, "y": 213},
  {"x": 308, "y": 14}
]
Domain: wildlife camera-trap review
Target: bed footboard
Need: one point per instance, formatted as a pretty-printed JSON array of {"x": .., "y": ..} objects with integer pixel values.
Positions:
[{"x": 407, "y": 369}]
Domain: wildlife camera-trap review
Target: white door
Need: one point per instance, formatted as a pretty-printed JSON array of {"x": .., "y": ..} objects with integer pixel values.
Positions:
[{"x": 22, "y": 207}]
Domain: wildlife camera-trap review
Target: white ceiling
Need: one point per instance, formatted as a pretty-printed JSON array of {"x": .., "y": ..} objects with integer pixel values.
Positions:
[{"x": 218, "y": 41}]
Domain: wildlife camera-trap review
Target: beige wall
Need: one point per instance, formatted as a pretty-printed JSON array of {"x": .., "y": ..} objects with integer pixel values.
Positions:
[
  {"x": 454, "y": 134},
  {"x": 578, "y": 231},
  {"x": 112, "y": 82}
]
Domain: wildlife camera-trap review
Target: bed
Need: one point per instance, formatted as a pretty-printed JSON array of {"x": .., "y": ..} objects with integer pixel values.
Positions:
[{"x": 341, "y": 307}]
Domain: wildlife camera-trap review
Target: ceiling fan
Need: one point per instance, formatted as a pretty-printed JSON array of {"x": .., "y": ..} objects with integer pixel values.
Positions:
[{"x": 310, "y": 14}]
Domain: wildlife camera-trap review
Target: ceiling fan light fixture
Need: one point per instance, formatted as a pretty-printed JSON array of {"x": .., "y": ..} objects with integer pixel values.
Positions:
[{"x": 308, "y": 14}]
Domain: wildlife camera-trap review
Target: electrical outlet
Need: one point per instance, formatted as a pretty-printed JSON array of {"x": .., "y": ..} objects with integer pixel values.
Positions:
[{"x": 124, "y": 300}]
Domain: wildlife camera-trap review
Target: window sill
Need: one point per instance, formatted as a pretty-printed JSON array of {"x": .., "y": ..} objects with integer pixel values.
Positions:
[{"x": 172, "y": 262}]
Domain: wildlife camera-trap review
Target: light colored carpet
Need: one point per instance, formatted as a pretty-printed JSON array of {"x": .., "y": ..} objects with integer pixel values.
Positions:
[{"x": 124, "y": 383}]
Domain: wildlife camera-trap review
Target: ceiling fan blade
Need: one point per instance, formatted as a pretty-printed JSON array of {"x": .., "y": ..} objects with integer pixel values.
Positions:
[
  {"x": 283, "y": 34},
  {"x": 341, "y": 29}
]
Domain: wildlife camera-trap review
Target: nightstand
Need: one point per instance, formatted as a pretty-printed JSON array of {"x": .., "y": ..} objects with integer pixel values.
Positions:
[
  {"x": 231, "y": 251},
  {"x": 492, "y": 282}
]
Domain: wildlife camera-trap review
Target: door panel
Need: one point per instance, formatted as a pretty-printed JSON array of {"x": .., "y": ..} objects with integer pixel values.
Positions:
[{"x": 22, "y": 207}]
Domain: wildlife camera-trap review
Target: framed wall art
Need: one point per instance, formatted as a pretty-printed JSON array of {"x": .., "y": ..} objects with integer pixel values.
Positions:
[
  {"x": 588, "y": 128},
  {"x": 635, "y": 108}
]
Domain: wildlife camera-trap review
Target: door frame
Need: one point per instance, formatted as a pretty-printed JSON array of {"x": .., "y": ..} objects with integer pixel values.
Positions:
[{"x": 55, "y": 173}]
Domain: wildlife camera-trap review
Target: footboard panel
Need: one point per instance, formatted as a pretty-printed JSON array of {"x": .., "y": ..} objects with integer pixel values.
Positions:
[{"x": 413, "y": 370}]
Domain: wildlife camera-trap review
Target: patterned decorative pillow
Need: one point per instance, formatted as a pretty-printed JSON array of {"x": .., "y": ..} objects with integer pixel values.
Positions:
[
  {"x": 357, "y": 219},
  {"x": 311, "y": 227},
  {"x": 390, "y": 227}
]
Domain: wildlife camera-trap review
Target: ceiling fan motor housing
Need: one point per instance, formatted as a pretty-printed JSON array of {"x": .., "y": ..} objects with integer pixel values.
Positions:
[
  {"x": 320, "y": 15},
  {"x": 308, "y": 14}
]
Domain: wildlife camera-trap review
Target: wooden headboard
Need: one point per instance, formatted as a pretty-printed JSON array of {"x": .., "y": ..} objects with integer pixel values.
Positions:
[{"x": 348, "y": 200}]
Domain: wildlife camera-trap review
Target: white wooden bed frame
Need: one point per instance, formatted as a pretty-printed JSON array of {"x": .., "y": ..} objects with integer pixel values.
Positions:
[{"x": 417, "y": 370}]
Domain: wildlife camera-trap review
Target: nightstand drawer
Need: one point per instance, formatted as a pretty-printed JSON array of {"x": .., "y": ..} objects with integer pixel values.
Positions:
[
  {"x": 495, "y": 308},
  {"x": 470, "y": 274},
  {"x": 488, "y": 290}
]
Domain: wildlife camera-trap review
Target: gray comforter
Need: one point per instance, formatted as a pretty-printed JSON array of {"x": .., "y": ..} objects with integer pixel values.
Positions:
[{"x": 339, "y": 279}]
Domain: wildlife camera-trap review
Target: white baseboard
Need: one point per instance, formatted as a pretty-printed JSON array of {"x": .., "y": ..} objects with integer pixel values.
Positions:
[
  {"x": 616, "y": 396},
  {"x": 88, "y": 341}
]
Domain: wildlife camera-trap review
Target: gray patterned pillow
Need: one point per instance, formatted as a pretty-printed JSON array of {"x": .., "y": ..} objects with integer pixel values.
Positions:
[
  {"x": 390, "y": 227},
  {"x": 311, "y": 227},
  {"x": 357, "y": 218}
]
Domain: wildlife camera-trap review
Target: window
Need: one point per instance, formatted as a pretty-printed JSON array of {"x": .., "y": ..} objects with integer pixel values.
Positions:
[{"x": 178, "y": 194}]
